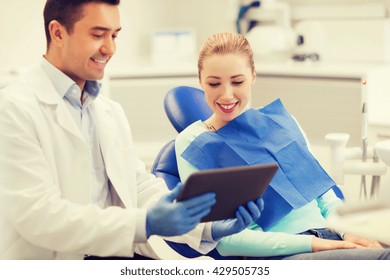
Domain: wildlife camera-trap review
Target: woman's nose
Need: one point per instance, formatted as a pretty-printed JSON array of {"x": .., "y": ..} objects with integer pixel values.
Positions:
[{"x": 227, "y": 92}]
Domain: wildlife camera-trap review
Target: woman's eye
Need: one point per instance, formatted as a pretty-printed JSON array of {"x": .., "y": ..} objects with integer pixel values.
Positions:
[
  {"x": 214, "y": 84},
  {"x": 237, "y": 82}
]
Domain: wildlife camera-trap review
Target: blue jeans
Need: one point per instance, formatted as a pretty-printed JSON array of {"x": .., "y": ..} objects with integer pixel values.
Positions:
[{"x": 323, "y": 233}]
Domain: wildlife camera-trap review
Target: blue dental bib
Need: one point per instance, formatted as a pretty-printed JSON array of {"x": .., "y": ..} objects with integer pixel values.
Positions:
[{"x": 266, "y": 135}]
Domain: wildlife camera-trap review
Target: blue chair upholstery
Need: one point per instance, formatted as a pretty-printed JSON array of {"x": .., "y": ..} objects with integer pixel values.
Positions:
[
  {"x": 165, "y": 165},
  {"x": 185, "y": 105},
  {"x": 338, "y": 192}
]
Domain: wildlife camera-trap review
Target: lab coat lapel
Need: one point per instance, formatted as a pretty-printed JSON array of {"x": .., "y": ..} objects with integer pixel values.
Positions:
[
  {"x": 55, "y": 112},
  {"x": 66, "y": 121},
  {"x": 47, "y": 94},
  {"x": 113, "y": 159}
]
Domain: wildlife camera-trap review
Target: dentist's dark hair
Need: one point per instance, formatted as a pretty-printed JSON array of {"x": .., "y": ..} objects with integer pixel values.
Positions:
[{"x": 67, "y": 12}]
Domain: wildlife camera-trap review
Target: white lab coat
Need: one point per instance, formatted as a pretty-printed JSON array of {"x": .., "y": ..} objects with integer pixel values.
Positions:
[{"x": 45, "y": 169}]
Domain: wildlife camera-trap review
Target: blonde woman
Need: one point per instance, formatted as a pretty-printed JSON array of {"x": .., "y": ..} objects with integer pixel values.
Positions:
[{"x": 299, "y": 198}]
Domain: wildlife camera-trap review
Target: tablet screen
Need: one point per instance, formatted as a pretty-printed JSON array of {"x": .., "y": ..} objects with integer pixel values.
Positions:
[{"x": 233, "y": 186}]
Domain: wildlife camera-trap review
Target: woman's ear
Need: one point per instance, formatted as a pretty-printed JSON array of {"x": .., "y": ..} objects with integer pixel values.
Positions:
[
  {"x": 253, "y": 78},
  {"x": 200, "y": 83}
]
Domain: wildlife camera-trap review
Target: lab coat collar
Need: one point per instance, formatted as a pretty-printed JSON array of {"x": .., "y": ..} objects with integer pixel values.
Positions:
[
  {"x": 46, "y": 93},
  {"x": 43, "y": 87}
]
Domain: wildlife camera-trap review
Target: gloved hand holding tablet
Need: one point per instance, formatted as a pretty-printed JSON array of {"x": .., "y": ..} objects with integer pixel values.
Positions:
[{"x": 233, "y": 186}]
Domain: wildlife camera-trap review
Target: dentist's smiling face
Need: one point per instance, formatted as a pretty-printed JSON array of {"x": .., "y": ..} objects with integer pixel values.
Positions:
[
  {"x": 227, "y": 80},
  {"x": 86, "y": 50}
]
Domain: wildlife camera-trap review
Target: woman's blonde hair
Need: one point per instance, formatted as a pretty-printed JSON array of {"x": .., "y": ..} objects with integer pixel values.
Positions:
[{"x": 226, "y": 43}]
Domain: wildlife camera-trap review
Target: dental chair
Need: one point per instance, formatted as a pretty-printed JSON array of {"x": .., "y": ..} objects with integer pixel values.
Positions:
[{"x": 184, "y": 105}]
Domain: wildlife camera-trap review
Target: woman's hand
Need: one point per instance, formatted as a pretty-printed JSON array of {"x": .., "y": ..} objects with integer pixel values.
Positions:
[
  {"x": 244, "y": 216},
  {"x": 362, "y": 241},
  {"x": 319, "y": 244}
]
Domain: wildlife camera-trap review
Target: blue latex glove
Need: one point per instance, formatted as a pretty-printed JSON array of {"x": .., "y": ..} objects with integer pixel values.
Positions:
[
  {"x": 169, "y": 218},
  {"x": 244, "y": 216}
]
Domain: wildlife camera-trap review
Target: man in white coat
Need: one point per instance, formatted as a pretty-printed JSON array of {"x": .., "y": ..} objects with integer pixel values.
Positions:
[{"x": 70, "y": 182}]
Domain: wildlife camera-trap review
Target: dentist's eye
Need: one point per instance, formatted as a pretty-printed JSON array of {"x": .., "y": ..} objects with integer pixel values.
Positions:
[
  {"x": 98, "y": 36},
  {"x": 214, "y": 84}
]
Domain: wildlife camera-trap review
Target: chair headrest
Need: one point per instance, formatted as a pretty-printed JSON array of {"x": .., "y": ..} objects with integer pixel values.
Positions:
[{"x": 185, "y": 105}]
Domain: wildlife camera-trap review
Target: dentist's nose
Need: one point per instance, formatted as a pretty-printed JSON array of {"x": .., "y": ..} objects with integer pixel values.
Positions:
[{"x": 108, "y": 47}]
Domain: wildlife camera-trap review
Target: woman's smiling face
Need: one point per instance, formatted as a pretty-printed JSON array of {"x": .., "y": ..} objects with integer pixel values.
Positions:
[{"x": 227, "y": 81}]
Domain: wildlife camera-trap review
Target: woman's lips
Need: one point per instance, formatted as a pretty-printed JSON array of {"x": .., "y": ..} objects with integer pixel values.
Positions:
[{"x": 227, "y": 108}]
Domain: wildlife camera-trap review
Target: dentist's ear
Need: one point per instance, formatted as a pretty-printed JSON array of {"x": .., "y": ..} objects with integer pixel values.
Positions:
[{"x": 56, "y": 32}]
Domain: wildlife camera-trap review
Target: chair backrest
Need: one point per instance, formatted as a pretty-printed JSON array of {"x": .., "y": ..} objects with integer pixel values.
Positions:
[
  {"x": 165, "y": 165},
  {"x": 185, "y": 105}
]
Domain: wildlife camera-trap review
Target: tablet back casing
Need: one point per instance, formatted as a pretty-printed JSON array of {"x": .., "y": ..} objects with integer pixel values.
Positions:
[{"x": 233, "y": 186}]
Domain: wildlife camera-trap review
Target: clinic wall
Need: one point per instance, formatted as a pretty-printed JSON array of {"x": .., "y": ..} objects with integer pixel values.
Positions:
[
  {"x": 332, "y": 2},
  {"x": 22, "y": 39},
  {"x": 140, "y": 18},
  {"x": 23, "y": 42}
]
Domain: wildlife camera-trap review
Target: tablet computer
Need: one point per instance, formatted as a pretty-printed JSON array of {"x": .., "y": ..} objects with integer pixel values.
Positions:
[{"x": 233, "y": 186}]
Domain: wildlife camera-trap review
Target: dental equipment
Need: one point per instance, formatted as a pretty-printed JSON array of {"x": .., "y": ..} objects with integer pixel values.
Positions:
[
  {"x": 363, "y": 186},
  {"x": 364, "y": 161}
]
